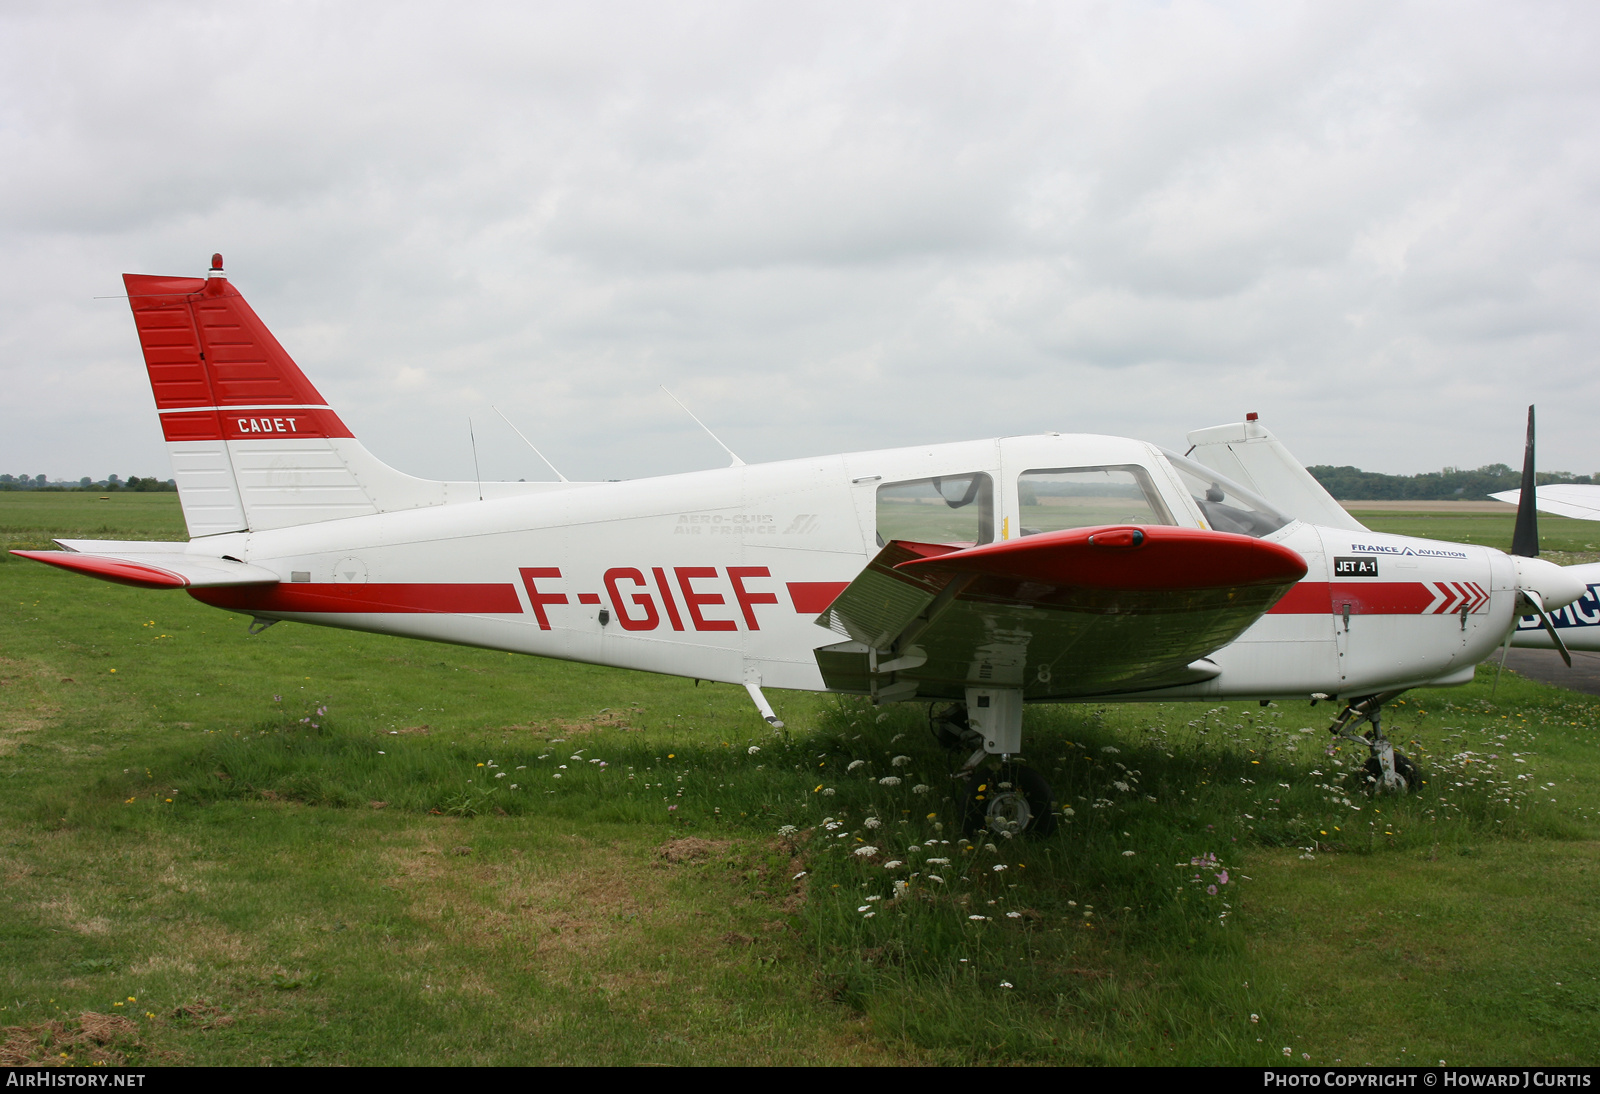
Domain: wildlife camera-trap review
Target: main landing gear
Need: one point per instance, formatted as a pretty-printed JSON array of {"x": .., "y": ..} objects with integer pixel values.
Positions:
[
  {"x": 1386, "y": 771},
  {"x": 1004, "y": 797}
]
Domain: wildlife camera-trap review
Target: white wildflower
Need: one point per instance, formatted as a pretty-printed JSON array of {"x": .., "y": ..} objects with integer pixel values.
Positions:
[
  {"x": 854, "y": 764},
  {"x": 921, "y": 788},
  {"x": 828, "y": 793},
  {"x": 1127, "y": 854},
  {"x": 1005, "y": 983},
  {"x": 788, "y": 830},
  {"x": 500, "y": 775},
  {"x": 893, "y": 864},
  {"x": 1111, "y": 749},
  {"x": 936, "y": 877},
  {"x": 866, "y": 849},
  {"x": 513, "y": 786},
  {"x": 938, "y": 862},
  {"x": 998, "y": 867},
  {"x": 978, "y": 917},
  {"x": 753, "y": 749},
  {"x": 900, "y": 761},
  {"x": 901, "y": 888},
  {"x": 873, "y": 822},
  {"x": 800, "y": 875},
  {"x": 1013, "y": 915},
  {"x": 889, "y": 780}
]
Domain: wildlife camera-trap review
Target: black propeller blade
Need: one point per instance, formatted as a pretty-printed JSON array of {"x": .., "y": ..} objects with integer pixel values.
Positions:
[
  {"x": 1525, "y": 543},
  {"x": 1525, "y": 540}
]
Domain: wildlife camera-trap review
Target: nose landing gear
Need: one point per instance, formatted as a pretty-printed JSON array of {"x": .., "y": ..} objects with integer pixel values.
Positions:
[{"x": 1386, "y": 771}]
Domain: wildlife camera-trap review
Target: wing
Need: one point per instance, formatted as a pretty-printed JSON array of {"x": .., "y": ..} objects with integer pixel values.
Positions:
[
  {"x": 1090, "y": 611},
  {"x": 1562, "y": 499},
  {"x": 151, "y": 565}
]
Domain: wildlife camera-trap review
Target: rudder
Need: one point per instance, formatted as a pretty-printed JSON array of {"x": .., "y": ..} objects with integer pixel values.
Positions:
[{"x": 253, "y": 443}]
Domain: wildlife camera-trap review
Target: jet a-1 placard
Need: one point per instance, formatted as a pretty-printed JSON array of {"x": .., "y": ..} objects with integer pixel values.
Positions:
[{"x": 978, "y": 576}]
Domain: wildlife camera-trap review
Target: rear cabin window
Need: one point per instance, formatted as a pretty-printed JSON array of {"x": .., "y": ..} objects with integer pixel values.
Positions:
[
  {"x": 1053, "y": 499},
  {"x": 953, "y": 509}
]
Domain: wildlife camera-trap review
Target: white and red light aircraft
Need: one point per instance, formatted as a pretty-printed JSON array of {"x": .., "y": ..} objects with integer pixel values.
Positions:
[{"x": 984, "y": 575}]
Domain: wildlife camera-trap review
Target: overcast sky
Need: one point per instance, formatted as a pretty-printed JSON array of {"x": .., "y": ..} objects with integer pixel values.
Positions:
[{"x": 826, "y": 227}]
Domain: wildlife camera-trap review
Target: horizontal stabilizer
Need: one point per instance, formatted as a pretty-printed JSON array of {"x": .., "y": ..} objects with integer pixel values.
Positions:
[{"x": 153, "y": 566}]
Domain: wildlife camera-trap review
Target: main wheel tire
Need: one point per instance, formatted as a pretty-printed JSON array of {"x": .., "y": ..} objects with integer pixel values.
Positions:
[
  {"x": 948, "y": 722},
  {"x": 1010, "y": 798}
]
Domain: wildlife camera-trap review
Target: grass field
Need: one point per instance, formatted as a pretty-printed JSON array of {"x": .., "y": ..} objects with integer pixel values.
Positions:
[{"x": 319, "y": 847}]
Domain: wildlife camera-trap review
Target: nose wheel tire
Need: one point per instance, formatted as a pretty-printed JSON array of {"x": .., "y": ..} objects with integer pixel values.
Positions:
[
  {"x": 1011, "y": 798},
  {"x": 1371, "y": 775}
]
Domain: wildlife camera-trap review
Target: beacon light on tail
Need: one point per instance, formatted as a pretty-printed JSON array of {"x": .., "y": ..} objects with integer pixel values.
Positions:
[{"x": 980, "y": 576}]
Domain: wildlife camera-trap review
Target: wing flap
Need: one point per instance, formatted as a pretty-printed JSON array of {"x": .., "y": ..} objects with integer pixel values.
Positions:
[{"x": 883, "y": 600}]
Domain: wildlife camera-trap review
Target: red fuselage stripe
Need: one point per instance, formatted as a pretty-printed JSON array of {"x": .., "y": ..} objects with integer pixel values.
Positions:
[
  {"x": 371, "y": 598},
  {"x": 1364, "y": 598},
  {"x": 814, "y": 597}
]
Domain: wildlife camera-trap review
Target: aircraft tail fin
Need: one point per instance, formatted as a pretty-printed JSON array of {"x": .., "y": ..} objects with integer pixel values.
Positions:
[{"x": 254, "y": 445}]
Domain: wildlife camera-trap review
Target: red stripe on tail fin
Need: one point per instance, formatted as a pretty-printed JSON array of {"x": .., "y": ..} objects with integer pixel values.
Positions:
[{"x": 205, "y": 347}]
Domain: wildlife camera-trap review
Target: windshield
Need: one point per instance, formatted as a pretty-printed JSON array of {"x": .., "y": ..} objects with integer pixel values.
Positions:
[{"x": 1228, "y": 507}]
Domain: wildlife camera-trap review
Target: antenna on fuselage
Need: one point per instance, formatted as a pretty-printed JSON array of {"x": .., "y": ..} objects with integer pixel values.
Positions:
[
  {"x": 737, "y": 462},
  {"x": 473, "y": 437},
  {"x": 529, "y": 443}
]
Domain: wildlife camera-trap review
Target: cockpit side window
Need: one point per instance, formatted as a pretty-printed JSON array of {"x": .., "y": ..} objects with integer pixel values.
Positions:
[
  {"x": 1053, "y": 499},
  {"x": 953, "y": 509},
  {"x": 1227, "y": 506}
]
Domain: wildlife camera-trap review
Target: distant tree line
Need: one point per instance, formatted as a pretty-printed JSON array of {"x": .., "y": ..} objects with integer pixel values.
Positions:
[
  {"x": 1354, "y": 484},
  {"x": 108, "y": 484}
]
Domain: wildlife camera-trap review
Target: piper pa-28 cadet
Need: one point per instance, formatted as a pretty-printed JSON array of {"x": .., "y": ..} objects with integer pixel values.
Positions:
[{"x": 977, "y": 576}]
